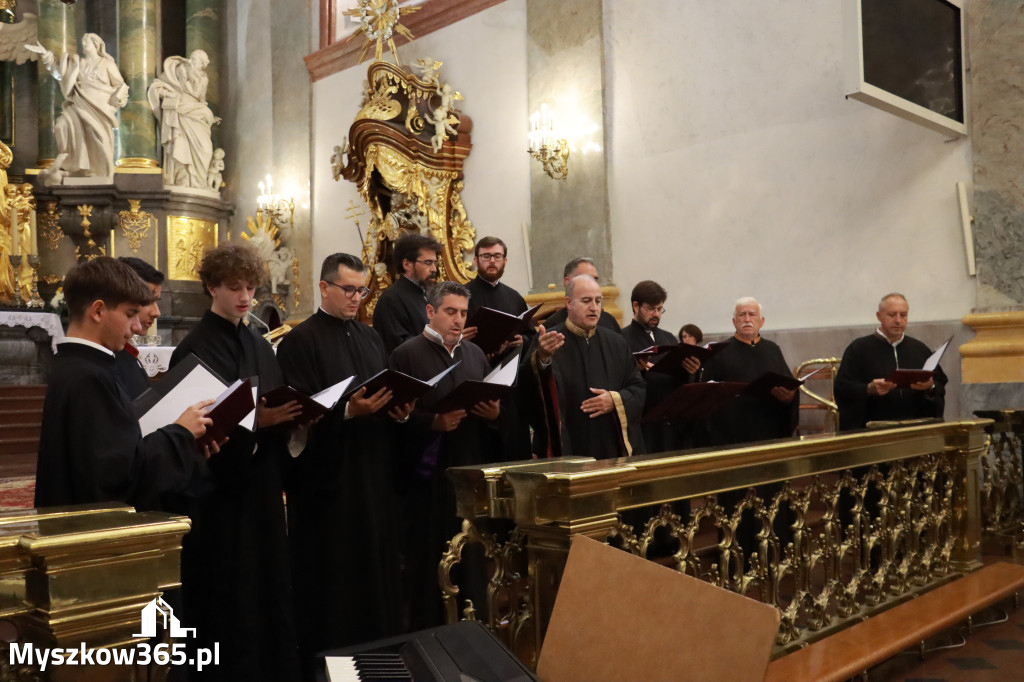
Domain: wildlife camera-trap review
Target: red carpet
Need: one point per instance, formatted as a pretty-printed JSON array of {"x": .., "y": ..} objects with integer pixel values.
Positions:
[{"x": 17, "y": 493}]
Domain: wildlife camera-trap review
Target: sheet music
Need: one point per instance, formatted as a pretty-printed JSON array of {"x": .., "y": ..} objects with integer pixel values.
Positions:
[
  {"x": 198, "y": 385},
  {"x": 506, "y": 376},
  {"x": 433, "y": 382},
  {"x": 330, "y": 396},
  {"x": 249, "y": 422},
  {"x": 933, "y": 361}
]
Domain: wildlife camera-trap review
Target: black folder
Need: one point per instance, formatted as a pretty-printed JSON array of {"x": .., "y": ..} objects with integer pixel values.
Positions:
[
  {"x": 228, "y": 412},
  {"x": 470, "y": 393},
  {"x": 168, "y": 380},
  {"x": 669, "y": 359},
  {"x": 312, "y": 407},
  {"x": 495, "y": 327},
  {"x": 404, "y": 388}
]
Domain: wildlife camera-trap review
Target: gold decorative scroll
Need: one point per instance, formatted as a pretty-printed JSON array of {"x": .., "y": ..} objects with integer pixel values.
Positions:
[
  {"x": 135, "y": 225},
  {"x": 187, "y": 240},
  {"x": 48, "y": 223}
]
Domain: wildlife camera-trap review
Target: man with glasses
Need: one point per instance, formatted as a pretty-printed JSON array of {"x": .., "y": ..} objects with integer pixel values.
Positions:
[
  {"x": 342, "y": 494},
  {"x": 401, "y": 311},
  {"x": 648, "y": 301},
  {"x": 574, "y": 268}
]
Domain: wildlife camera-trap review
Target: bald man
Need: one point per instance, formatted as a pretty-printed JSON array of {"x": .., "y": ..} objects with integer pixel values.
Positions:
[{"x": 588, "y": 373}]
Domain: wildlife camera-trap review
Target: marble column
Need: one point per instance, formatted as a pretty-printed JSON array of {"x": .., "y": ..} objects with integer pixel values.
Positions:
[
  {"x": 138, "y": 39},
  {"x": 58, "y": 34},
  {"x": 993, "y": 363},
  {"x": 565, "y": 62},
  {"x": 203, "y": 32}
]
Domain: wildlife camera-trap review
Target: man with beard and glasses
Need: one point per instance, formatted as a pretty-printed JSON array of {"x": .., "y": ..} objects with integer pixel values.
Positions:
[
  {"x": 344, "y": 473},
  {"x": 648, "y": 301},
  {"x": 401, "y": 310}
]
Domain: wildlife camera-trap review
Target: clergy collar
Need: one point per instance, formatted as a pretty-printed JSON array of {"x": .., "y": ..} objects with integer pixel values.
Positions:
[
  {"x": 432, "y": 334},
  {"x": 418, "y": 286},
  {"x": 224, "y": 323},
  {"x": 579, "y": 331},
  {"x": 880, "y": 334},
  {"x": 335, "y": 317},
  {"x": 87, "y": 342},
  {"x": 494, "y": 285},
  {"x": 747, "y": 343}
]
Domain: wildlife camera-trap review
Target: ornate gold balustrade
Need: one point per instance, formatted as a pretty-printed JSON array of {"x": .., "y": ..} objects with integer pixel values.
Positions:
[
  {"x": 1002, "y": 505},
  {"x": 875, "y": 517},
  {"x": 81, "y": 575}
]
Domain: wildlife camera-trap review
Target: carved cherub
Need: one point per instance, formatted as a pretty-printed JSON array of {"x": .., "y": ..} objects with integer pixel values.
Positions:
[
  {"x": 442, "y": 123},
  {"x": 215, "y": 176},
  {"x": 338, "y": 158},
  {"x": 429, "y": 69}
]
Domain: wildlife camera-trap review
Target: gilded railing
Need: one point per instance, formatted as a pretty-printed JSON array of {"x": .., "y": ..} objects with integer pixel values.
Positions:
[
  {"x": 1002, "y": 504},
  {"x": 845, "y": 525}
]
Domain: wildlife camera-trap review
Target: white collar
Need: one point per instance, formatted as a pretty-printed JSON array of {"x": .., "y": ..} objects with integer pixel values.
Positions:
[
  {"x": 885, "y": 338},
  {"x": 87, "y": 342},
  {"x": 432, "y": 334}
]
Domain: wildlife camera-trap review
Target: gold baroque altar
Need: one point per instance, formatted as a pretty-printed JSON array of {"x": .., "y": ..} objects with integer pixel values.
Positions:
[{"x": 847, "y": 558}]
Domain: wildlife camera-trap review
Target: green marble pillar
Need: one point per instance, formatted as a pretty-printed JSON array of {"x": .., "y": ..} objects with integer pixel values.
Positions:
[
  {"x": 137, "y": 30},
  {"x": 203, "y": 32},
  {"x": 58, "y": 34}
]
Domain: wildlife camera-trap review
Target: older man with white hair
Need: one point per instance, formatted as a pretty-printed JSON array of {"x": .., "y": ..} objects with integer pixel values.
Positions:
[{"x": 587, "y": 382}]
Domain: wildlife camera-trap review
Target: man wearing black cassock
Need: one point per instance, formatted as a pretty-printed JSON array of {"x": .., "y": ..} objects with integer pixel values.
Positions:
[
  {"x": 132, "y": 374},
  {"x": 648, "y": 301},
  {"x": 749, "y": 418},
  {"x": 587, "y": 382},
  {"x": 863, "y": 394},
  {"x": 235, "y": 572},
  {"x": 575, "y": 268},
  {"x": 487, "y": 291},
  {"x": 400, "y": 311},
  {"x": 91, "y": 448},
  {"x": 341, "y": 502},
  {"x": 433, "y": 442}
]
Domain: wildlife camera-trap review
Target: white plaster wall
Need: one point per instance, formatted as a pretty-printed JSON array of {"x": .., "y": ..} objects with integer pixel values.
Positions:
[
  {"x": 485, "y": 59},
  {"x": 737, "y": 168}
]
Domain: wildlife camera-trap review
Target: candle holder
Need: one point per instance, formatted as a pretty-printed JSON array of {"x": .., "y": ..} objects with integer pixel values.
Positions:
[
  {"x": 16, "y": 265},
  {"x": 35, "y": 302}
]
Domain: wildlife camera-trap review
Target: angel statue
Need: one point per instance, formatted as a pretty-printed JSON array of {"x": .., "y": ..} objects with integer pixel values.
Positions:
[
  {"x": 93, "y": 91},
  {"x": 442, "y": 123},
  {"x": 178, "y": 99}
]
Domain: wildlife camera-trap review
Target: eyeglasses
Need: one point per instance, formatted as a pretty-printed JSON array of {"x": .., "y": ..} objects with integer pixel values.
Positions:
[
  {"x": 496, "y": 257},
  {"x": 651, "y": 309},
  {"x": 350, "y": 291},
  {"x": 428, "y": 263}
]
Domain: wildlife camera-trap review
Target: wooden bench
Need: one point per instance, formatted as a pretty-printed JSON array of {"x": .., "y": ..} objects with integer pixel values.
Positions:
[{"x": 854, "y": 650}]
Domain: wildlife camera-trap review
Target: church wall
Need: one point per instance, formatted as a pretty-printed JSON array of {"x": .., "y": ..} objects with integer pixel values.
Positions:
[
  {"x": 485, "y": 59},
  {"x": 738, "y": 168}
]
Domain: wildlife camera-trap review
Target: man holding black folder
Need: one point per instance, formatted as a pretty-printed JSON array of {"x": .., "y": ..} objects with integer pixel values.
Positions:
[
  {"x": 432, "y": 442},
  {"x": 344, "y": 474},
  {"x": 91, "y": 448},
  {"x": 862, "y": 391}
]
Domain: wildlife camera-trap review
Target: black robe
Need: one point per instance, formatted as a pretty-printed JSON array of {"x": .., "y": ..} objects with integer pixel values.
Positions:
[
  {"x": 602, "y": 361},
  {"x": 235, "y": 570},
  {"x": 91, "y": 448},
  {"x": 663, "y": 436},
  {"x": 428, "y": 496},
  {"x": 607, "y": 320},
  {"x": 515, "y": 428},
  {"x": 872, "y": 357},
  {"x": 341, "y": 502},
  {"x": 750, "y": 418},
  {"x": 401, "y": 313},
  {"x": 131, "y": 373}
]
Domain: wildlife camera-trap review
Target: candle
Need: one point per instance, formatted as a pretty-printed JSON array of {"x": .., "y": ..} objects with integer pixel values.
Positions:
[
  {"x": 33, "y": 235},
  {"x": 14, "y": 232}
]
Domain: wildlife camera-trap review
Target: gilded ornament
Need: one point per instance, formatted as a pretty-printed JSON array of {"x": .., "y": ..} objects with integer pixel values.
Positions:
[
  {"x": 187, "y": 240},
  {"x": 295, "y": 282},
  {"x": 135, "y": 224},
  {"x": 49, "y": 226},
  {"x": 378, "y": 21},
  {"x": 381, "y": 107},
  {"x": 53, "y": 279}
]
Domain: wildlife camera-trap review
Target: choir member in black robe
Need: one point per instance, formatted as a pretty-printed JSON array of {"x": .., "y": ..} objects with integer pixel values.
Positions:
[
  {"x": 91, "y": 448},
  {"x": 131, "y": 372},
  {"x": 400, "y": 313},
  {"x": 433, "y": 442},
  {"x": 642, "y": 332},
  {"x": 574, "y": 268},
  {"x": 488, "y": 291},
  {"x": 235, "y": 570},
  {"x": 341, "y": 501},
  {"x": 863, "y": 394},
  {"x": 748, "y": 418},
  {"x": 587, "y": 381}
]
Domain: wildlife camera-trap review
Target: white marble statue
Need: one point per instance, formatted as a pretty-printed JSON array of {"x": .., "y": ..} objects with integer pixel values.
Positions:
[
  {"x": 178, "y": 99},
  {"x": 216, "y": 174},
  {"x": 442, "y": 123},
  {"x": 17, "y": 40},
  {"x": 279, "y": 268},
  {"x": 93, "y": 91}
]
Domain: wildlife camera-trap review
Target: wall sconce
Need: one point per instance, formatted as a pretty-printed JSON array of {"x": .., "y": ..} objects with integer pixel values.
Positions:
[
  {"x": 279, "y": 210},
  {"x": 546, "y": 146}
]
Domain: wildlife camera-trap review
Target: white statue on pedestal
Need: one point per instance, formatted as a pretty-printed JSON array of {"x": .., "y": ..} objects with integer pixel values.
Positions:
[
  {"x": 93, "y": 91},
  {"x": 178, "y": 99}
]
